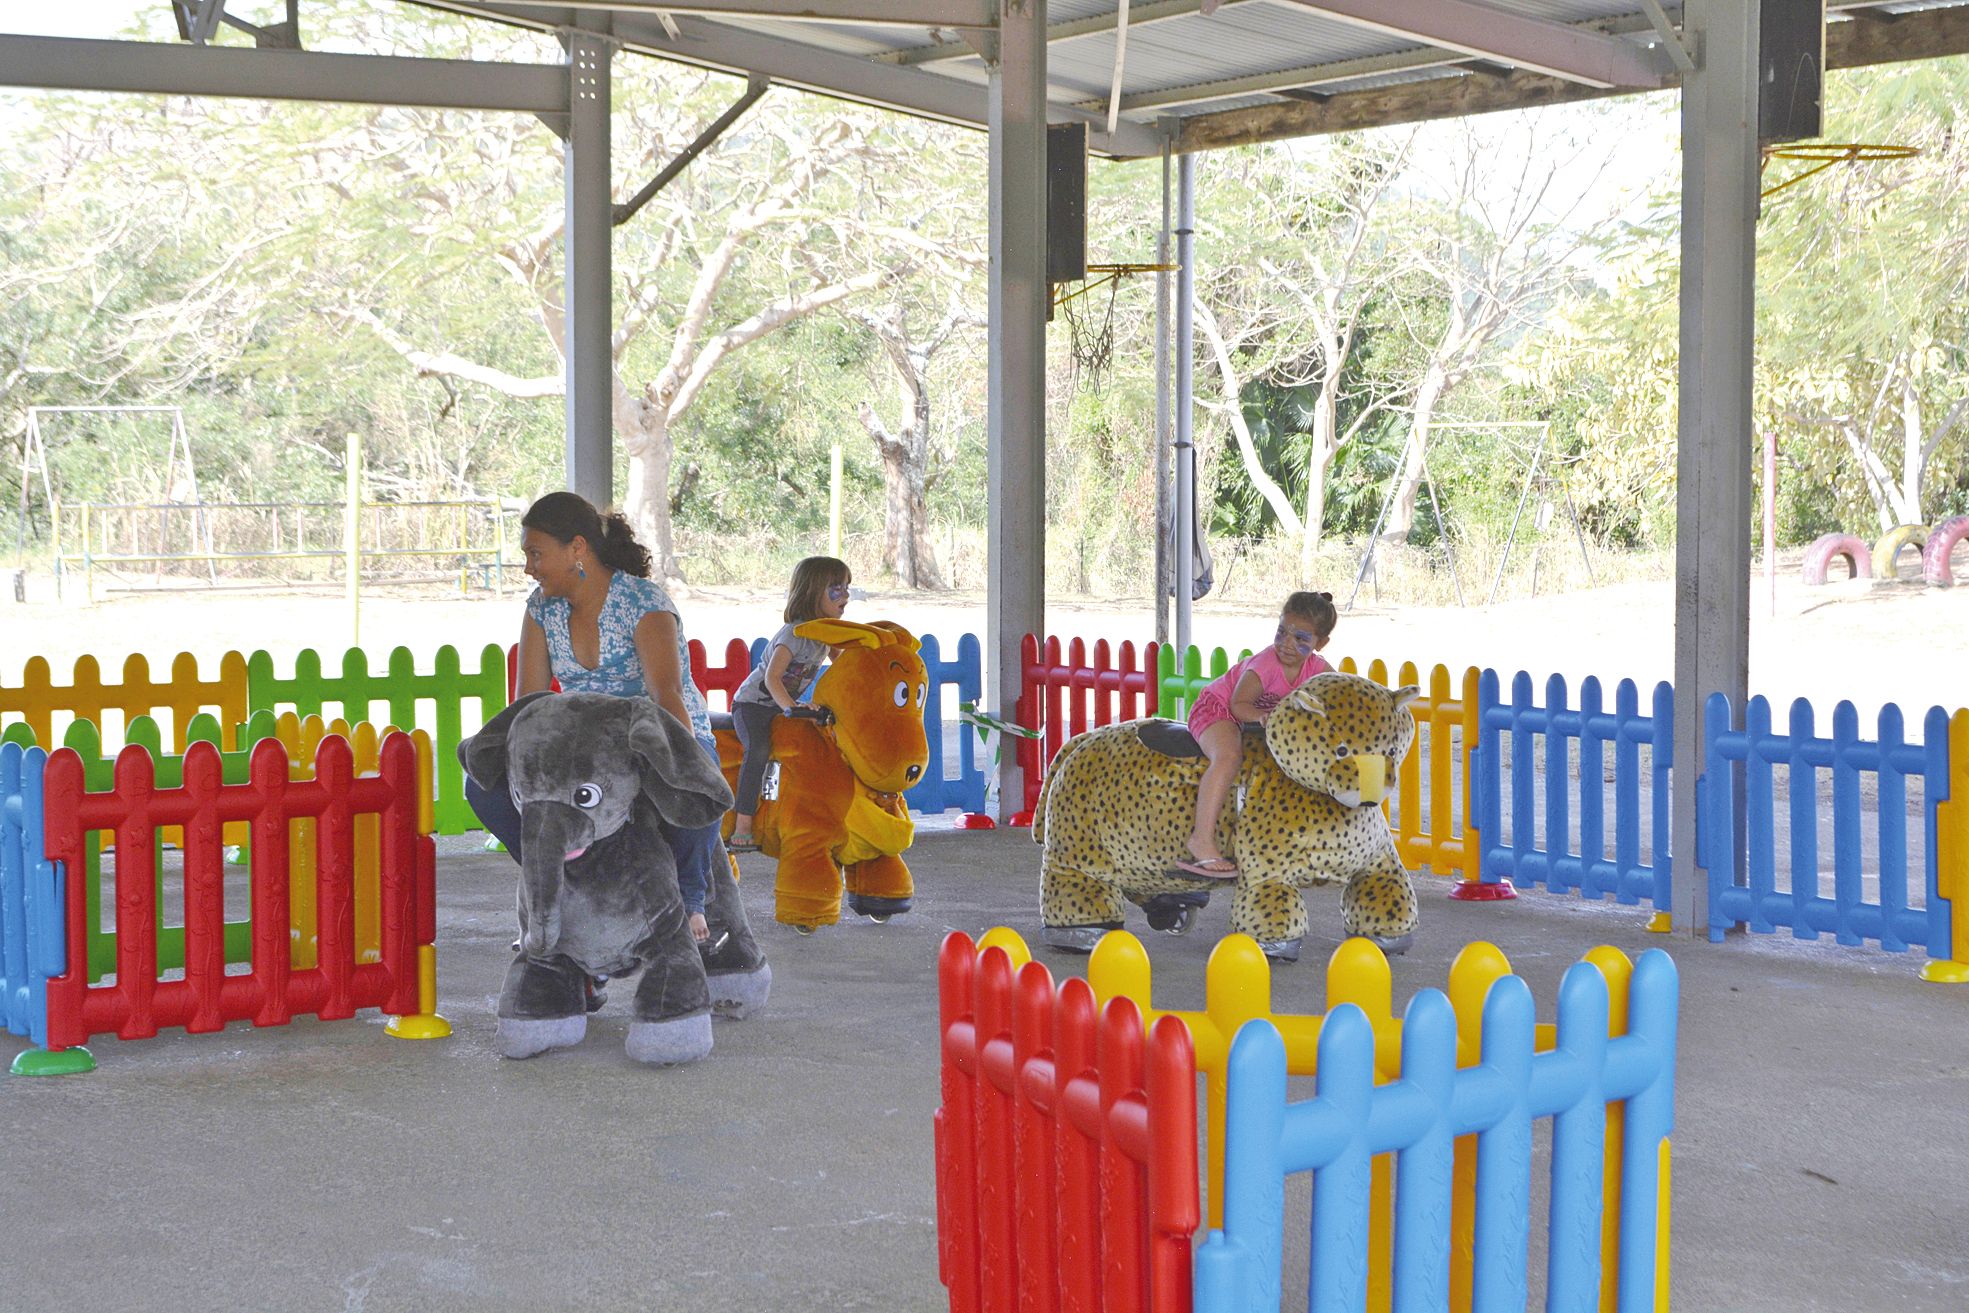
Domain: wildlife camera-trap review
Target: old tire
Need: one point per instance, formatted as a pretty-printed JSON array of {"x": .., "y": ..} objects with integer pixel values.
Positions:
[
  {"x": 1887, "y": 552},
  {"x": 1934, "y": 556},
  {"x": 1821, "y": 553}
]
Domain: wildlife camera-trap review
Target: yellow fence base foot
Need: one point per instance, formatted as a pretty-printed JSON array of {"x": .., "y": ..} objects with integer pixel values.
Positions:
[
  {"x": 1660, "y": 923},
  {"x": 1944, "y": 972},
  {"x": 419, "y": 1026}
]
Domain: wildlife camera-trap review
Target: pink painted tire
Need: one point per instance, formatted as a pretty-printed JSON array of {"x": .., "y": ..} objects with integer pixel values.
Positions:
[
  {"x": 1819, "y": 557},
  {"x": 1934, "y": 557}
]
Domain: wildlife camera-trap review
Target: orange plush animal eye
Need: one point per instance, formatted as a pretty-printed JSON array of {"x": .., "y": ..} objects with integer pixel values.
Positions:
[
  {"x": 902, "y": 694},
  {"x": 920, "y": 690}
]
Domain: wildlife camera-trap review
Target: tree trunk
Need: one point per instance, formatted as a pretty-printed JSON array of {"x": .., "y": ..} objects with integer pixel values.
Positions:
[
  {"x": 646, "y": 430},
  {"x": 1326, "y": 409},
  {"x": 906, "y": 549},
  {"x": 1401, "y": 515}
]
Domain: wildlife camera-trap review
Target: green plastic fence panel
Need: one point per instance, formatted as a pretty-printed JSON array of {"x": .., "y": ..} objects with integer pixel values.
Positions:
[
  {"x": 19, "y": 732},
  {"x": 441, "y": 694},
  {"x": 1174, "y": 686}
]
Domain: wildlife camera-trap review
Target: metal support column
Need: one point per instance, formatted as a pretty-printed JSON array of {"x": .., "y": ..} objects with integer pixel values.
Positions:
[
  {"x": 590, "y": 322},
  {"x": 1165, "y": 502},
  {"x": 1713, "y": 434},
  {"x": 1185, "y": 563},
  {"x": 1016, "y": 461}
]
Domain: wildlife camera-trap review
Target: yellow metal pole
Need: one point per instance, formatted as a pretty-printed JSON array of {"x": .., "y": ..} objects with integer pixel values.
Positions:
[
  {"x": 351, "y": 535},
  {"x": 834, "y": 502}
]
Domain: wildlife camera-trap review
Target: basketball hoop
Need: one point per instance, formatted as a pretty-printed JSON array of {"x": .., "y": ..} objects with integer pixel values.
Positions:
[
  {"x": 1090, "y": 324},
  {"x": 1822, "y": 155}
]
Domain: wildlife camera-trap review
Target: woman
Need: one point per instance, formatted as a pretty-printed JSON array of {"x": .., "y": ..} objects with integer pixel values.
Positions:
[{"x": 599, "y": 624}]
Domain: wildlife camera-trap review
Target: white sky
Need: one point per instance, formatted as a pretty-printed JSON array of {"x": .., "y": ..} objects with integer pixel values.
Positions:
[{"x": 99, "y": 18}]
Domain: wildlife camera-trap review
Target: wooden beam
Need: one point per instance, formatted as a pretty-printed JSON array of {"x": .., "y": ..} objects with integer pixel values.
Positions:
[{"x": 1921, "y": 34}]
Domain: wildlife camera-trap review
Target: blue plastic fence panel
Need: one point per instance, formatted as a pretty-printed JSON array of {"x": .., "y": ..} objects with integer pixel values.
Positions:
[
  {"x": 32, "y": 911},
  {"x": 1590, "y": 730},
  {"x": 1742, "y": 859},
  {"x": 1336, "y": 1134},
  {"x": 939, "y": 791}
]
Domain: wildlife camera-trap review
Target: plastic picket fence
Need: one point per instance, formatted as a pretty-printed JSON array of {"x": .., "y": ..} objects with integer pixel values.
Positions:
[
  {"x": 1551, "y": 734},
  {"x": 1743, "y": 881}
]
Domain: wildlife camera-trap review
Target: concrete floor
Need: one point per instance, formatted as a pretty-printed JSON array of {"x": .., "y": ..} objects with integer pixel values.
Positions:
[{"x": 1822, "y": 1146}]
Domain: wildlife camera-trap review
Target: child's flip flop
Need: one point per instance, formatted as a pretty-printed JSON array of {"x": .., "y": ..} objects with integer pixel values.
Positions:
[{"x": 1208, "y": 868}]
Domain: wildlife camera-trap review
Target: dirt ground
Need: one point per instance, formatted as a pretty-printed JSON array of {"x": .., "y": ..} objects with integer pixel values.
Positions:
[{"x": 1900, "y": 643}]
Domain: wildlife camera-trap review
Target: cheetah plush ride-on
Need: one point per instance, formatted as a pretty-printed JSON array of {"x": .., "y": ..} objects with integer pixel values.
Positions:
[{"x": 1119, "y": 803}]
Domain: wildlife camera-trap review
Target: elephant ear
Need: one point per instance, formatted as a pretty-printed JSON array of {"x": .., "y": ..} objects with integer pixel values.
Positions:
[
  {"x": 679, "y": 777},
  {"x": 843, "y": 633},
  {"x": 485, "y": 752}
]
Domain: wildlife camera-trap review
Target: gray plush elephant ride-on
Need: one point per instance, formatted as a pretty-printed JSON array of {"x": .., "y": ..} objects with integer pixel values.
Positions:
[{"x": 593, "y": 776}]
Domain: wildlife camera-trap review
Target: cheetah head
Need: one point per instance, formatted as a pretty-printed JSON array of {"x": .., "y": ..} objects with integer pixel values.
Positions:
[{"x": 1342, "y": 735}]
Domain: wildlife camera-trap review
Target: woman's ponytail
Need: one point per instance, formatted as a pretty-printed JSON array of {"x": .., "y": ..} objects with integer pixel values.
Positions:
[
  {"x": 567, "y": 516},
  {"x": 618, "y": 548}
]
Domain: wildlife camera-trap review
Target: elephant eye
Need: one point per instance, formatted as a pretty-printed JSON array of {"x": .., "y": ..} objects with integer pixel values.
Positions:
[
  {"x": 902, "y": 694},
  {"x": 587, "y": 797},
  {"x": 514, "y": 789}
]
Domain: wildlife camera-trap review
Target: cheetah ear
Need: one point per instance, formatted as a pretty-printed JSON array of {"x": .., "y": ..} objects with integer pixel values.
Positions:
[
  {"x": 1305, "y": 699},
  {"x": 1406, "y": 694}
]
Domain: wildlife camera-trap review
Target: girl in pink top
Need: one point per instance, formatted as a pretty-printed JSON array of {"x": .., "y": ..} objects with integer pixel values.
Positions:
[{"x": 1246, "y": 692}]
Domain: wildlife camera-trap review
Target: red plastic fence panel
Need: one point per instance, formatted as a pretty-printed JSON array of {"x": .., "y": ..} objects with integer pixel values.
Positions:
[
  {"x": 724, "y": 679},
  {"x": 1066, "y": 693},
  {"x": 135, "y": 1004},
  {"x": 513, "y": 675},
  {"x": 1066, "y": 1145}
]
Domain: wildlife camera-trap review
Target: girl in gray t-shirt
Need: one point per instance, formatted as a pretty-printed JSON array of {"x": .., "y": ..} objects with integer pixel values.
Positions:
[{"x": 819, "y": 591}]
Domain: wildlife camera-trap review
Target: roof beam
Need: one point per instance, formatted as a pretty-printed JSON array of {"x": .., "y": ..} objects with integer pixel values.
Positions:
[
  {"x": 881, "y": 13},
  {"x": 160, "y": 68},
  {"x": 1920, "y": 34},
  {"x": 1139, "y": 16},
  {"x": 1534, "y": 44},
  {"x": 808, "y": 68},
  {"x": 1307, "y": 77}
]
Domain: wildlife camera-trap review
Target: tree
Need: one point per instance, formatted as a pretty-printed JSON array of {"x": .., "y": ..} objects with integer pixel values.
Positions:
[
  {"x": 1495, "y": 258},
  {"x": 906, "y": 448}
]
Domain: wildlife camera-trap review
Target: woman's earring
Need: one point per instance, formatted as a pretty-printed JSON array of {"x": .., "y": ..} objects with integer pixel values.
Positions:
[{"x": 581, "y": 569}]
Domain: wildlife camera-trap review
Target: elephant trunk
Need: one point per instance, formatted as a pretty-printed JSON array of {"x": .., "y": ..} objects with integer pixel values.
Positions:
[{"x": 551, "y": 833}]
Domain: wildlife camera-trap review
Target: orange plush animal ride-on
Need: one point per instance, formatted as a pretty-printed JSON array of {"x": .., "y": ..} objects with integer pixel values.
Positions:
[{"x": 838, "y": 815}]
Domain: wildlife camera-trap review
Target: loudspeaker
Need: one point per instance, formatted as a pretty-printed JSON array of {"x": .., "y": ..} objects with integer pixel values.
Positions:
[
  {"x": 1066, "y": 202},
  {"x": 1790, "y": 69}
]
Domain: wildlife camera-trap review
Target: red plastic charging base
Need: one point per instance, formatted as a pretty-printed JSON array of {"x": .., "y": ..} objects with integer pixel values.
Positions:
[{"x": 976, "y": 821}]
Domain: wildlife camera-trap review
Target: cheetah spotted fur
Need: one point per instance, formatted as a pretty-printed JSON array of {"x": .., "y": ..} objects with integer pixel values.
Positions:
[{"x": 1114, "y": 815}]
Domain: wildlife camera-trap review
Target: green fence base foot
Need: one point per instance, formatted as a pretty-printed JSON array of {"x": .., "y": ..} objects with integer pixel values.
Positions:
[
  {"x": 61, "y": 1062},
  {"x": 493, "y": 845}
]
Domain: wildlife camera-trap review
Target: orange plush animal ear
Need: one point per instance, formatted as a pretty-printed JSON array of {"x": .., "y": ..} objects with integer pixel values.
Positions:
[
  {"x": 851, "y": 633},
  {"x": 842, "y": 633}
]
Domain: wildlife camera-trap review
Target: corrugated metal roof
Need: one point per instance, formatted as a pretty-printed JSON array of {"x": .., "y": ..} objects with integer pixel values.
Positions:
[{"x": 1244, "y": 53}]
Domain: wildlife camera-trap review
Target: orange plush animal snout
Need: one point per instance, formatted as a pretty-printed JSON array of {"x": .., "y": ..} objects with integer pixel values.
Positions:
[{"x": 875, "y": 689}]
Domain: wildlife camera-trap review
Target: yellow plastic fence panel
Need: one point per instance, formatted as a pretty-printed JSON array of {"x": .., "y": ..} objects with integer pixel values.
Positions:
[
  {"x": 1950, "y": 966},
  {"x": 301, "y": 737},
  {"x": 1237, "y": 989},
  {"x": 37, "y": 699},
  {"x": 1448, "y": 726}
]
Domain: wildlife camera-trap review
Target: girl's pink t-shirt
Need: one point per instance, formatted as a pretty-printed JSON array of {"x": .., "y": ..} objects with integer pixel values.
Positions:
[{"x": 1214, "y": 703}]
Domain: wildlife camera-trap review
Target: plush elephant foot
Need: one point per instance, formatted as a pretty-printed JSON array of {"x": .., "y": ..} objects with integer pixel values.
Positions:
[
  {"x": 520, "y": 1037},
  {"x": 877, "y": 909},
  {"x": 738, "y": 994},
  {"x": 1075, "y": 938},
  {"x": 1174, "y": 914},
  {"x": 597, "y": 992},
  {"x": 667, "y": 1043},
  {"x": 1281, "y": 950}
]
